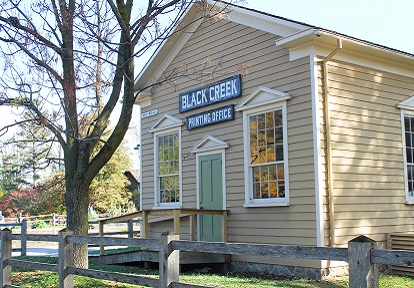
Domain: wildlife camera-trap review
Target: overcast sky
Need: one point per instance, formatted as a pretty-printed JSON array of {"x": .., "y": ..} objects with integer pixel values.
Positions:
[{"x": 385, "y": 22}]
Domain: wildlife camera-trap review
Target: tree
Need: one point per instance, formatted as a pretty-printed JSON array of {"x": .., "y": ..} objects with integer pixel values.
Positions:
[
  {"x": 10, "y": 172},
  {"x": 109, "y": 189},
  {"x": 69, "y": 59},
  {"x": 34, "y": 146}
]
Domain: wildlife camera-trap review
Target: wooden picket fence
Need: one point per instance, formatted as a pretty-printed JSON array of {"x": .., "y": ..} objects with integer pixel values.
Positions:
[{"x": 362, "y": 255}]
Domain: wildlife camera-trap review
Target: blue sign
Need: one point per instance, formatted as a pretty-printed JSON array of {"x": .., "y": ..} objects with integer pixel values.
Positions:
[
  {"x": 218, "y": 115},
  {"x": 220, "y": 91}
]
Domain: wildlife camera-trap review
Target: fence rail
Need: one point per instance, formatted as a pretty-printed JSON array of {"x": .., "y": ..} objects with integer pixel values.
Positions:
[
  {"x": 54, "y": 219},
  {"x": 361, "y": 254}
]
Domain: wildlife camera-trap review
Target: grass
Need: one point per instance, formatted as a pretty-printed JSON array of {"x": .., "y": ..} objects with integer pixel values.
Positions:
[{"x": 40, "y": 279}]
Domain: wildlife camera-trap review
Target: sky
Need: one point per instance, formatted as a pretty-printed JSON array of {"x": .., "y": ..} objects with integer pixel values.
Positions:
[{"x": 386, "y": 22}]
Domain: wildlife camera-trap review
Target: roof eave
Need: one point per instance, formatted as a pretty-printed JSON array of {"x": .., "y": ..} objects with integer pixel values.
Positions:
[{"x": 328, "y": 39}]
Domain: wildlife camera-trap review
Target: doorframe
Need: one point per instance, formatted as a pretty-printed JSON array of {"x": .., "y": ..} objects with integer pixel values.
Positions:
[{"x": 210, "y": 145}]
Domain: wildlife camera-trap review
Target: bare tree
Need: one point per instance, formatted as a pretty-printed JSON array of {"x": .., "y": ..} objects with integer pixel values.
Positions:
[{"x": 78, "y": 55}]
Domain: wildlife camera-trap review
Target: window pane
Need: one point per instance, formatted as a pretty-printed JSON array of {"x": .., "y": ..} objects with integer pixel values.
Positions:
[
  {"x": 280, "y": 172},
  {"x": 256, "y": 174},
  {"x": 261, "y": 121},
  {"x": 281, "y": 189},
  {"x": 409, "y": 156},
  {"x": 411, "y": 124},
  {"x": 269, "y": 120},
  {"x": 265, "y": 190},
  {"x": 270, "y": 137},
  {"x": 411, "y": 135},
  {"x": 254, "y": 152},
  {"x": 278, "y": 118},
  {"x": 279, "y": 135},
  {"x": 407, "y": 123},
  {"x": 273, "y": 189},
  {"x": 279, "y": 152},
  {"x": 262, "y": 138},
  {"x": 264, "y": 173},
  {"x": 272, "y": 172},
  {"x": 256, "y": 191},
  {"x": 271, "y": 153},
  {"x": 262, "y": 155}
]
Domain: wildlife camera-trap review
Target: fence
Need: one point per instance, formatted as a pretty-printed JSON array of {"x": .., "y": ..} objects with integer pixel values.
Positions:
[
  {"x": 53, "y": 219},
  {"x": 23, "y": 231},
  {"x": 361, "y": 254}
]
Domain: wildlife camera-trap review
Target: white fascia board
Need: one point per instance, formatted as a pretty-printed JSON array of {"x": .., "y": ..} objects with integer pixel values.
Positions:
[
  {"x": 265, "y": 22},
  {"x": 321, "y": 42}
]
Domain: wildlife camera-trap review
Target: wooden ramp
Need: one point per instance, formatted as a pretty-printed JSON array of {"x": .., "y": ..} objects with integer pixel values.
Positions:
[{"x": 153, "y": 257}]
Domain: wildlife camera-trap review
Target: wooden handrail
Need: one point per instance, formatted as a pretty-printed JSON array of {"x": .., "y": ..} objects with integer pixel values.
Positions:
[{"x": 176, "y": 215}]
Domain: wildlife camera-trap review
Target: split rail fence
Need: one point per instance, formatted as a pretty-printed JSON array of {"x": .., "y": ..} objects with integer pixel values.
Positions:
[{"x": 362, "y": 255}]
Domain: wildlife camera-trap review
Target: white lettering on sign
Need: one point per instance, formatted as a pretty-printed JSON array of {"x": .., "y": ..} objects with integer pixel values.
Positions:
[
  {"x": 226, "y": 89},
  {"x": 218, "y": 115}
]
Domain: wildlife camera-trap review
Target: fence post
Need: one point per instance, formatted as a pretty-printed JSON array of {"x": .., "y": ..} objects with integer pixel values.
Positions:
[
  {"x": 54, "y": 219},
  {"x": 6, "y": 254},
  {"x": 130, "y": 228},
  {"x": 362, "y": 273},
  {"x": 23, "y": 233},
  {"x": 101, "y": 234},
  {"x": 144, "y": 232},
  {"x": 169, "y": 260},
  {"x": 65, "y": 259}
]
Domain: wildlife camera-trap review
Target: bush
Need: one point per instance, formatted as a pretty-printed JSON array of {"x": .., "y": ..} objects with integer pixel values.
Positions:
[{"x": 39, "y": 224}]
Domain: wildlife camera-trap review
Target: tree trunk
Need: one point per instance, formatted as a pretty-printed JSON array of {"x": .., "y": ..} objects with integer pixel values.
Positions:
[{"x": 77, "y": 201}]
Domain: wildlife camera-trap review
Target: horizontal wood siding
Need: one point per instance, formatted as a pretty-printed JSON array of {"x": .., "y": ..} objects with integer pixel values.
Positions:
[
  {"x": 220, "y": 50},
  {"x": 367, "y": 154}
]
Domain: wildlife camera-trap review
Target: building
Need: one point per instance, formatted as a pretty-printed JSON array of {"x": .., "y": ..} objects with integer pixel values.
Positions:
[{"x": 305, "y": 135}]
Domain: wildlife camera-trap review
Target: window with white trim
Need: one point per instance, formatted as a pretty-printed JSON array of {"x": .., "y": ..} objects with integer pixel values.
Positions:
[
  {"x": 168, "y": 167},
  {"x": 265, "y": 148},
  {"x": 167, "y": 162},
  {"x": 266, "y": 155},
  {"x": 408, "y": 121}
]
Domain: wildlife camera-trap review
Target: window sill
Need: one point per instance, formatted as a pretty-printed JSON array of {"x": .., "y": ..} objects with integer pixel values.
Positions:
[
  {"x": 273, "y": 204},
  {"x": 178, "y": 206},
  {"x": 409, "y": 202}
]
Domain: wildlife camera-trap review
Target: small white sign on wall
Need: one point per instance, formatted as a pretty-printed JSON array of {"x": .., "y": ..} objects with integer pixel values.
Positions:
[{"x": 149, "y": 113}]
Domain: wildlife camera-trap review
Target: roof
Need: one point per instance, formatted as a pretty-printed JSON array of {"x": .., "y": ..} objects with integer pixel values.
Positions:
[{"x": 294, "y": 35}]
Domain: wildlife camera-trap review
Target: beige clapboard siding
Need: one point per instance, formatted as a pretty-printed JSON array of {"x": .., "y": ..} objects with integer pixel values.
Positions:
[
  {"x": 367, "y": 152},
  {"x": 353, "y": 187},
  {"x": 349, "y": 215}
]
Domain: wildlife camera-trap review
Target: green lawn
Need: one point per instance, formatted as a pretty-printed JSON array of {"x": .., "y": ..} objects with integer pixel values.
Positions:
[{"x": 41, "y": 279}]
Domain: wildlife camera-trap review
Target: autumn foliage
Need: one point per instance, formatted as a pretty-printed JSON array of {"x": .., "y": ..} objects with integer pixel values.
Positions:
[{"x": 30, "y": 201}]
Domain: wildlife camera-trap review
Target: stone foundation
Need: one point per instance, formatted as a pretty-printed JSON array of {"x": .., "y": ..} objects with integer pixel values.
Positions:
[{"x": 288, "y": 271}]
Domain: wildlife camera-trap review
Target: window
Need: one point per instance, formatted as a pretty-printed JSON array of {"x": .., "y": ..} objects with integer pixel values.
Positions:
[
  {"x": 265, "y": 146},
  {"x": 167, "y": 161},
  {"x": 168, "y": 168},
  {"x": 266, "y": 155},
  {"x": 409, "y": 157}
]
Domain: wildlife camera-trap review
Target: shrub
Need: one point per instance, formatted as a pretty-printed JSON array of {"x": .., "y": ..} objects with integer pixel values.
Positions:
[{"x": 39, "y": 224}]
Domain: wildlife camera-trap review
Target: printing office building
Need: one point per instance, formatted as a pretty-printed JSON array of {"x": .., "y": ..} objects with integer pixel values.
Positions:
[{"x": 304, "y": 135}]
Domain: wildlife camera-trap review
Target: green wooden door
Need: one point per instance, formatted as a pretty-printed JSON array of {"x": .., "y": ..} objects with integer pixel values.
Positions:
[{"x": 210, "y": 196}]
